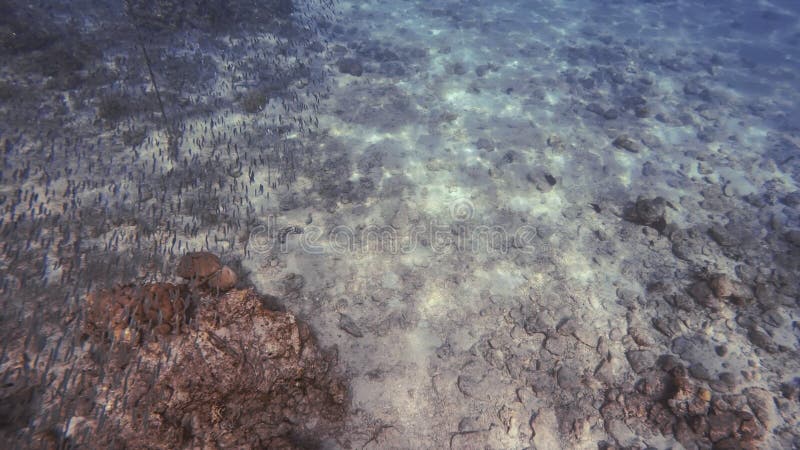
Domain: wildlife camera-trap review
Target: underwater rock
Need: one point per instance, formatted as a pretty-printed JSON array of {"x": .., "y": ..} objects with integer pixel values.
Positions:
[
  {"x": 687, "y": 244},
  {"x": 393, "y": 69},
  {"x": 113, "y": 108},
  {"x": 483, "y": 69},
  {"x": 350, "y": 66},
  {"x": 349, "y": 325},
  {"x": 124, "y": 311},
  {"x": 223, "y": 280},
  {"x": 640, "y": 337},
  {"x": 793, "y": 237},
  {"x": 204, "y": 269},
  {"x": 791, "y": 199},
  {"x": 694, "y": 88},
  {"x": 650, "y": 211},
  {"x": 700, "y": 371},
  {"x": 242, "y": 376},
  {"x": 625, "y": 142},
  {"x": 485, "y": 144},
  {"x": 647, "y": 211},
  {"x": 762, "y": 340},
  {"x": 198, "y": 266},
  {"x": 254, "y": 101},
  {"x": 543, "y": 181},
  {"x": 668, "y": 328},
  {"x": 457, "y": 69},
  {"x": 701, "y": 292},
  {"x": 568, "y": 378},
  {"x": 721, "y": 236},
  {"x": 555, "y": 142},
  {"x": 674, "y": 403},
  {"x": 608, "y": 114},
  {"x": 725, "y": 288},
  {"x": 288, "y": 201},
  {"x": 633, "y": 101},
  {"x": 641, "y": 360}
]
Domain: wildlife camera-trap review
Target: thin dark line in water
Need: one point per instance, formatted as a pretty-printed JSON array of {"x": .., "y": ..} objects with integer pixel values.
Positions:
[{"x": 172, "y": 142}]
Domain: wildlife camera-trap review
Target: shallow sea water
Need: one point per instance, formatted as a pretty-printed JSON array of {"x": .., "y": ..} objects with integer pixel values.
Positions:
[{"x": 510, "y": 219}]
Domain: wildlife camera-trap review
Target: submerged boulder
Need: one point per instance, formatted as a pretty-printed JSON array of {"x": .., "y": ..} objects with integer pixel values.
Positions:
[
  {"x": 204, "y": 269},
  {"x": 241, "y": 376},
  {"x": 220, "y": 370},
  {"x": 125, "y": 311},
  {"x": 650, "y": 212}
]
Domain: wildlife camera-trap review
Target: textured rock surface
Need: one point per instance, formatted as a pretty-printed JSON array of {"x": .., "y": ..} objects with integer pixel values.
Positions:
[
  {"x": 240, "y": 376},
  {"x": 128, "y": 310}
]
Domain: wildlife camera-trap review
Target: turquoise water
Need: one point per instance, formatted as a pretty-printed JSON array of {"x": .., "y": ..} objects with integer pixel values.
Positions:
[{"x": 512, "y": 219}]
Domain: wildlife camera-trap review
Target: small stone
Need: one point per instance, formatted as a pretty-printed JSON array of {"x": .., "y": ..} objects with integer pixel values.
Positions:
[
  {"x": 568, "y": 378},
  {"x": 699, "y": 371},
  {"x": 721, "y": 236},
  {"x": 640, "y": 360},
  {"x": 662, "y": 418},
  {"x": 792, "y": 199},
  {"x": 555, "y": 141},
  {"x": 790, "y": 391},
  {"x": 722, "y": 286},
  {"x": 469, "y": 440},
  {"x": 615, "y": 334},
  {"x": 467, "y": 424},
  {"x": 665, "y": 327},
  {"x": 349, "y": 326},
  {"x": 640, "y": 337},
  {"x": 350, "y": 66},
  {"x": 595, "y": 108},
  {"x": 683, "y": 434},
  {"x": 681, "y": 301},
  {"x": 748, "y": 429},
  {"x": 726, "y": 288},
  {"x": 485, "y": 144},
  {"x": 650, "y": 211},
  {"x": 668, "y": 362},
  {"x": 774, "y": 317},
  {"x": 605, "y": 372},
  {"x": 223, "y": 280},
  {"x": 457, "y": 69},
  {"x": 567, "y": 326},
  {"x": 622, "y": 433},
  {"x": 793, "y": 237},
  {"x": 602, "y": 346},
  {"x": 701, "y": 292},
  {"x": 198, "y": 265},
  {"x": 728, "y": 379},
  {"x": 762, "y": 340},
  {"x": 721, "y": 426},
  {"x": 556, "y": 345},
  {"x": 762, "y": 403},
  {"x": 543, "y": 181},
  {"x": 610, "y": 114},
  {"x": 624, "y": 142}
]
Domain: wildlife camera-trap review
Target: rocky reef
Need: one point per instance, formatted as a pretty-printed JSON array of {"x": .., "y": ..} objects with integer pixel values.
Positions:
[{"x": 188, "y": 365}]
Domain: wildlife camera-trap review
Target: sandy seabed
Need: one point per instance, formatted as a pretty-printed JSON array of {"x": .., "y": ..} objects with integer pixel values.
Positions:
[{"x": 516, "y": 224}]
